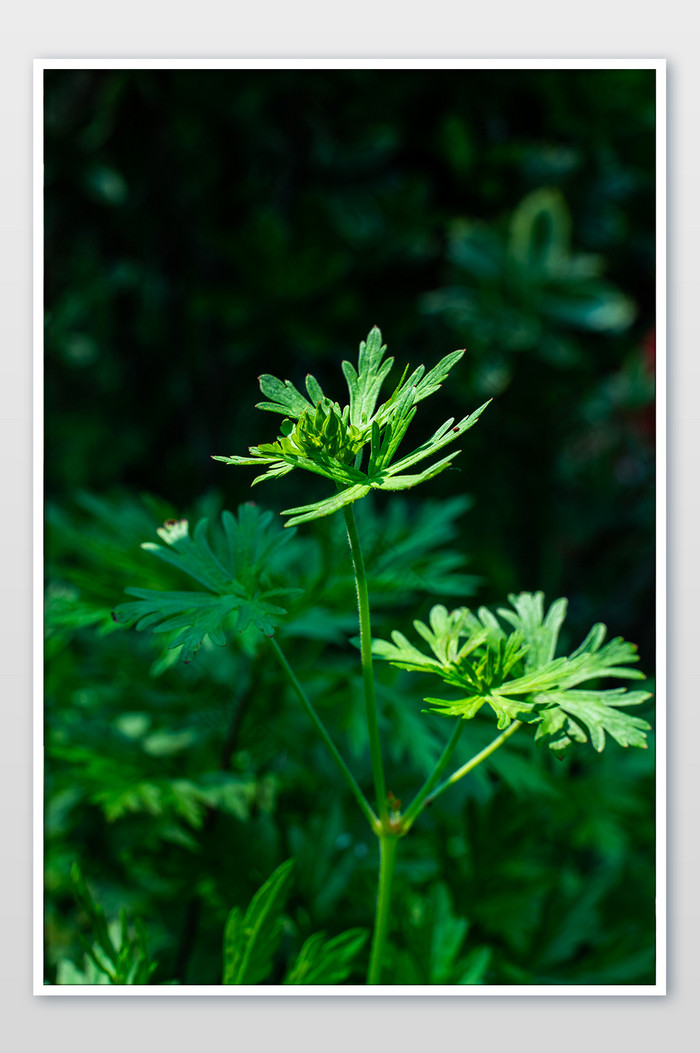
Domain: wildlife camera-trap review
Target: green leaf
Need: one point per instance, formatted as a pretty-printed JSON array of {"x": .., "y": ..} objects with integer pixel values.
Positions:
[
  {"x": 447, "y": 936},
  {"x": 318, "y": 509},
  {"x": 285, "y": 397},
  {"x": 235, "y": 575},
  {"x": 446, "y": 433},
  {"x": 432, "y": 381},
  {"x": 364, "y": 384},
  {"x": 596, "y": 710},
  {"x": 322, "y": 961},
  {"x": 475, "y": 965},
  {"x": 251, "y": 938}
]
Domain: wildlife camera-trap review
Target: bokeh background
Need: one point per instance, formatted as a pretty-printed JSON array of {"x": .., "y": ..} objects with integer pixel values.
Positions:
[{"x": 204, "y": 226}]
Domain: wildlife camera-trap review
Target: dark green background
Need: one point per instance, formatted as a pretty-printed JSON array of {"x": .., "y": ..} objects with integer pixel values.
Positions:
[{"x": 203, "y": 227}]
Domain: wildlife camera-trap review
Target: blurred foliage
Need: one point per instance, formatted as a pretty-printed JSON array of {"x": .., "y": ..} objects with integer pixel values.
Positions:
[
  {"x": 204, "y": 226},
  {"x": 177, "y": 787}
]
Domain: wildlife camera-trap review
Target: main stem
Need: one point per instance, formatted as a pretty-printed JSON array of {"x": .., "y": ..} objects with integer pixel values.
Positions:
[
  {"x": 387, "y": 858},
  {"x": 367, "y": 670},
  {"x": 387, "y": 834}
]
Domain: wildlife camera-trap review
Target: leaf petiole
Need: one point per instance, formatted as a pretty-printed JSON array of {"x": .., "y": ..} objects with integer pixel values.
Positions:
[{"x": 475, "y": 760}]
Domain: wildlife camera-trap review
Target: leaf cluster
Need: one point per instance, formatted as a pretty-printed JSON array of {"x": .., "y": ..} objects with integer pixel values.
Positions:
[
  {"x": 321, "y": 437},
  {"x": 517, "y": 675}
]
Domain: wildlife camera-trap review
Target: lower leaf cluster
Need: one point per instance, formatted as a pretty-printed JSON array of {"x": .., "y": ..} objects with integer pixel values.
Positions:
[{"x": 517, "y": 675}]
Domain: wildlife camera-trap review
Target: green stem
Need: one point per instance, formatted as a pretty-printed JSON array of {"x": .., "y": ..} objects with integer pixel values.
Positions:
[
  {"x": 367, "y": 670},
  {"x": 416, "y": 805},
  {"x": 387, "y": 859},
  {"x": 477, "y": 759},
  {"x": 345, "y": 771}
]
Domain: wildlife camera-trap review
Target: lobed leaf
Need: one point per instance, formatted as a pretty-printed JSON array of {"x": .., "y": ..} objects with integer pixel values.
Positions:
[{"x": 235, "y": 576}]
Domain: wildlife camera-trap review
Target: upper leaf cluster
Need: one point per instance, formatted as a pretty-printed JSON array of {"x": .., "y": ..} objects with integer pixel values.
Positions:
[
  {"x": 320, "y": 436},
  {"x": 517, "y": 675}
]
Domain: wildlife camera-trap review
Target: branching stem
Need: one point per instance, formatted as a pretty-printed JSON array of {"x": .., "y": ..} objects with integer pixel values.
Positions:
[
  {"x": 320, "y": 727},
  {"x": 475, "y": 760},
  {"x": 416, "y": 805}
]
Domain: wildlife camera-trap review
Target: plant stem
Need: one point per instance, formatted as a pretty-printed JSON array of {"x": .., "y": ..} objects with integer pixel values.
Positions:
[
  {"x": 345, "y": 771},
  {"x": 367, "y": 669},
  {"x": 387, "y": 859},
  {"x": 476, "y": 759},
  {"x": 416, "y": 805}
]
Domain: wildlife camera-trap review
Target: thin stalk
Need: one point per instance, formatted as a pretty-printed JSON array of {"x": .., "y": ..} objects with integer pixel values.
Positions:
[
  {"x": 320, "y": 727},
  {"x": 367, "y": 669},
  {"x": 387, "y": 859},
  {"x": 476, "y": 759},
  {"x": 416, "y": 806}
]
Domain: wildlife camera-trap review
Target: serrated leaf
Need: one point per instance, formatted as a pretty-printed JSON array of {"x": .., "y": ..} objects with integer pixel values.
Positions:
[{"x": 251, "y": 938}]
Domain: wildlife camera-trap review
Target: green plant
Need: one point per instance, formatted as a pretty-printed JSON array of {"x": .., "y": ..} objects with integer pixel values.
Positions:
[{"x": 514, "y": 671}]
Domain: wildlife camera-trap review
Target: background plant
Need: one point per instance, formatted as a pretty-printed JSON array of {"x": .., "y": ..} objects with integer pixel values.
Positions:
[{"x": 166, "y": 249}]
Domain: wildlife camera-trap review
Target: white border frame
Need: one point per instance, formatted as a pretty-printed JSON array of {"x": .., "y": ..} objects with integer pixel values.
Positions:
[{"x": 659, "y": 988}]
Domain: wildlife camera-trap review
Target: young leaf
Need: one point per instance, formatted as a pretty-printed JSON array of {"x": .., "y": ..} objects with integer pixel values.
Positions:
[{"x": 251, "y": 938}]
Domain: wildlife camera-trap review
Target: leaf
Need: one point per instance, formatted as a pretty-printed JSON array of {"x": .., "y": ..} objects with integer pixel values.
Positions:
[
  {"x": 475, "y": 965},
  {"x": 251, "y": 938},
  {"x": 597, "y": 710},
  {"x": 448, "y": 935},
  {"x": 322, "y": 961},
  {"x": 318, "y": 509},
  {"x": 432, "y": 381},
  {"x": 446, "y": 433},
  {"x": 364, "y": 384},
  {"x": 286, "y": 399},
  {"x": 234, "y": 575}
]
